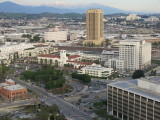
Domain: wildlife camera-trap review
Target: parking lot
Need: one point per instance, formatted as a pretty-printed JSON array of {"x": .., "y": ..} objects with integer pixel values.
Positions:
[{"x": 97, "y": 85}]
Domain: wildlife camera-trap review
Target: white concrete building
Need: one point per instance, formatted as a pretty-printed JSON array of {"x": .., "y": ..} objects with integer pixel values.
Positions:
[
  {"x": 132, "y": 17},
  {"x": 107, "y": 55},
  {"x": 7, "y": 51},
  {"x": 136, "y": 54},
  {"x": 16, "y": 37},
  {"x": 115, "y": 64},
  {"x": 34, "y": 52},
  {"x": 152, "y": 19},
  {"x": 12, "y": 47},
  {"x": 53, "y": 59},
  {"x": 55, "y": 36},
  {"x": 2, "y": 39},
  {"x": 63, "y": 61},
  {"x": 86, "y": 55},
  {"x": 96, "y": 71}
]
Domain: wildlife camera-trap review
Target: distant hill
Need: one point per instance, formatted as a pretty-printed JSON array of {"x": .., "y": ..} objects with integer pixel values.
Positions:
[
  {"x": 10, "y": 7},
  {"x": 39, "y": 15}
]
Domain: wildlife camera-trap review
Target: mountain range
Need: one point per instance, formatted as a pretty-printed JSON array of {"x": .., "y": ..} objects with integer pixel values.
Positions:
[{"x": 10, "y": 7}]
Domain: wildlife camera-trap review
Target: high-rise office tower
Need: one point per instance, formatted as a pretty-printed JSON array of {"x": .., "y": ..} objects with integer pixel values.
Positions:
[{"x": 94, "y": 23}]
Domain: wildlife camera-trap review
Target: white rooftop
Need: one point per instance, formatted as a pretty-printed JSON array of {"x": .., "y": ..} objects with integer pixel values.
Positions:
[
  {"x": 14, "y": 87},
  {"x": 96, "y": 67},
  {"x": 9, "y": 80},
  {"x": 3, "y": 85},
  {"x": 147, "y": 87},
  {"x": 132, "y": 40}
]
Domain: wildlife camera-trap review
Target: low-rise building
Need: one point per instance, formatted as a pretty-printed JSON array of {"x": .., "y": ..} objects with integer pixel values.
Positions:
[
  {"x": 152, "y": 19},
  {"x": 116, "y": 64},
  {"x": 2, "y": 39},
  {"x": 12, "y": 91},
  {"x": 56, "y": 35},
  {"x": 11, "y": 51},
  {"x": 59, "y": 60},
  {"x": 96, "y": 71},
  {"x": 106, "y": 55},
  {"x": 36, "y": 51}
]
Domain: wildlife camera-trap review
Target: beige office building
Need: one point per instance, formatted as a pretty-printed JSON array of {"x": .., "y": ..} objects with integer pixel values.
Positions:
[
  {"x": 94, "y": 21},
  {"x": 135, "y": 100}
]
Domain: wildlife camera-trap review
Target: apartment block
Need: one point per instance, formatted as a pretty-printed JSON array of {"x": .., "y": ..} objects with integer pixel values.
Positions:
[{"x": 136, "y": 54}]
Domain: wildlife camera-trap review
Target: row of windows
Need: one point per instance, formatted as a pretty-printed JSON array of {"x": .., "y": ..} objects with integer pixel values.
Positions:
[{"x": 18, "y": 93}]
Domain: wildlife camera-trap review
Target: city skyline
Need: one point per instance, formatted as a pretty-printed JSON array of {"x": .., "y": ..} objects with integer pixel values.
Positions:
[{"x": 141, "y": 5}]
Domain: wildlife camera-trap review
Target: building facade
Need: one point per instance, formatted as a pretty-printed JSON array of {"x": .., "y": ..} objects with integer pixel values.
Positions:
[
  {"x": 116, "y": 64},
  {"x": 11, "y": 51},
  {"x": 94, "y": 22},
  {"x": 13, "y": 91},
  {"x": 152, "y": 19},
  {"x": 96, "y": 71},
  {"x": 107, "y": 55},
  {"x": 136, "y": 54},
  {"x": 55, "y": 36},
  {"x": 34, "y": 52},
  {"x": 135, "y": 99}
]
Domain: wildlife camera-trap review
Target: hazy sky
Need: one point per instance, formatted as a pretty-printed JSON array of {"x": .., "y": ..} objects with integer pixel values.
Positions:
[{"x": 133, "y": 5}]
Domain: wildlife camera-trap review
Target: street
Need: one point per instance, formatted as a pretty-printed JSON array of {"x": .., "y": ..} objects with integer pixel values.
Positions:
[{"x": 69, "y": 110}]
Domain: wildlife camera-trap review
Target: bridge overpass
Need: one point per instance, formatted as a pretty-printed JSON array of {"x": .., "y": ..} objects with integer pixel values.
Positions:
[{"x": 17, "y": 104}]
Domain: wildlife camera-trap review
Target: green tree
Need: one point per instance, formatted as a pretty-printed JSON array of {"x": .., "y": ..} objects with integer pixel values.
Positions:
[
  {"x": 61, "y": 117},
  {"x": 36, "y": 38},
  {"x": 5, "y": 71},
  {"x": 82, "y": 77},
  {"x": 26, "y": 36},
  {"x": 98, "y": 104},
  {"x": 97, "y": 61},
  {"x": 138, "y": 74}
]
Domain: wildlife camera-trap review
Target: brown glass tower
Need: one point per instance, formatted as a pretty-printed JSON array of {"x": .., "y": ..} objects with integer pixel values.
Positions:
[{"x": 94, "y": 23}]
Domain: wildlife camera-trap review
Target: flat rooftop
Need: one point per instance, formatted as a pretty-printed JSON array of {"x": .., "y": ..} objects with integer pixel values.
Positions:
[
  {"x": 9, "y": 80},
  {"x": 96, "y": 67},
  {"x": 145, "y": 87},
  {"x": 94, "y": 49},
  {"x": 3, "y": 85},
  {"x": 14, "y": 87},
  {"x": 132, "y": 40}
]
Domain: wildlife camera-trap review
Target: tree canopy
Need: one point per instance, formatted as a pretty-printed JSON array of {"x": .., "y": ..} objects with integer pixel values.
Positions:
[
  {"x": 36, "y": 38},
  {"x": 82, "y": 77},
  {"x": 4, "y": 71},
  {"x": 48, "y": 76},
  {"x": 138, "y": 74}
]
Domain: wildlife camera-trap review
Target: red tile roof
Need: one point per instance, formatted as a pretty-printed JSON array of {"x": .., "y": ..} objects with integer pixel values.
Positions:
[
  {"x": 49, "y": 56},
  {"x": 73, "y": 56}
]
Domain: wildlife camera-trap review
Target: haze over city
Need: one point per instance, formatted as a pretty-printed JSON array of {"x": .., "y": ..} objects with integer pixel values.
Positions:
[
  {"x": 79, "y": 60},
  {"x": 129, "y": 5}
]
